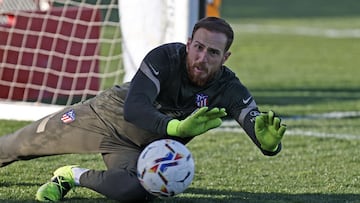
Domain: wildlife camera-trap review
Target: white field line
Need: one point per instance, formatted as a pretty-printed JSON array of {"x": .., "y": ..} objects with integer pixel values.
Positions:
[
  {"x": 298, "y": 133},
  {"x": 26, "y": 111},
  {"x": 330, "y": 115},
  {"x": 298, "y": 30},
  {"x": 32, "y": 112},
  {"x": 232, "y": 126},
  {"x": 323, "y": 135}
]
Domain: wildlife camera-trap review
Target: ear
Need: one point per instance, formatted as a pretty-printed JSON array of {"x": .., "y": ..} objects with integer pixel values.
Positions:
[
  {"x": 226, "y": 56},
  {"x": 188, "y": 44}
]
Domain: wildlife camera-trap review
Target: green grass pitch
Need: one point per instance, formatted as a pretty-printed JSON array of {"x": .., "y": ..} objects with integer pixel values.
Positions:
[{"x": 299, "y": 59}]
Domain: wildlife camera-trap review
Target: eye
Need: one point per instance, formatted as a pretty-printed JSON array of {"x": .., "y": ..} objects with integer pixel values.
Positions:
[
  {"x": 214, "y": 52},
  {"x": 199, "y": 47}
]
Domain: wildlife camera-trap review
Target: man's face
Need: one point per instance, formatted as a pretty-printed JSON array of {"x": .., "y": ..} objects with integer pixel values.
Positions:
[{"x": 205, "y": 55}]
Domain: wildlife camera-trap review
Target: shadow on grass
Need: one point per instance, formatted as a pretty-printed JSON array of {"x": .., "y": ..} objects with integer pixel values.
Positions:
[
  {"x": 208, "y": 196},
  {"x": 197, "y": 195},
  {"x": 75, "y": 200}
]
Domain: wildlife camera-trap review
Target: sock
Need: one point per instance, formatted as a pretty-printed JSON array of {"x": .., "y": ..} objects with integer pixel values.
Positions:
[{"x": 77, "y": 173}]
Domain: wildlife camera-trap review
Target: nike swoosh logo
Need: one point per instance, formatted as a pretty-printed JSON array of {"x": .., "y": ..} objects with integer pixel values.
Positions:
[
  {"x": 156, "y": 72},
  {"x": 245, "y": 101}
]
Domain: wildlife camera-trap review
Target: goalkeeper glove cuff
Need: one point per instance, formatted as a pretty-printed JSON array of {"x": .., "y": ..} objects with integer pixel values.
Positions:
[{"x": 172, "y": 127}]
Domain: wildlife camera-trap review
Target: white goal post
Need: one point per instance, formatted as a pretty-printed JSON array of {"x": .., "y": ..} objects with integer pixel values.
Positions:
[{"x": 59, "y": 52}]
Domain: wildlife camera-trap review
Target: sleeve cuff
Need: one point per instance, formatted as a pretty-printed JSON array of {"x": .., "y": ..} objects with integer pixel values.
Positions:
[{"x": 270, "y": 153}]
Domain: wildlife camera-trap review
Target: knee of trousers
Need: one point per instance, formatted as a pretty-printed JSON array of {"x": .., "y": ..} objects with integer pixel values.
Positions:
[{"x": 117, "y": 184}]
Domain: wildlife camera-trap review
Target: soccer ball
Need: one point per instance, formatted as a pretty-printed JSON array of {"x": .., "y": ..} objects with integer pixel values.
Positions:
[{"x": 165, "y": 168}]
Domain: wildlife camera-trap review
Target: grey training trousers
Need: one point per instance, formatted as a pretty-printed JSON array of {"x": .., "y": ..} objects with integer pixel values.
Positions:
[{"x": 86, "y": 133}]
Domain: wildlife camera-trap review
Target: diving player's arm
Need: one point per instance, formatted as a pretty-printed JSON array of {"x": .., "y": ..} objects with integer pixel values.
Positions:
[
  {"x": 139, "y": 108},
  {"x": 264, "y": 129},
  {"x": 140, "y": 111},
  {"x": 247, "y": 121}
]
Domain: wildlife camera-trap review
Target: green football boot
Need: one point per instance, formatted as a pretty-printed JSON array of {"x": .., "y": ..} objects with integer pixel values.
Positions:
[{"x": 61, "y": 183}]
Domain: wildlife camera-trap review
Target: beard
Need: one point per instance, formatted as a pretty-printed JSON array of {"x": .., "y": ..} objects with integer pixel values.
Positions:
[{"x": 199, "y": 79}]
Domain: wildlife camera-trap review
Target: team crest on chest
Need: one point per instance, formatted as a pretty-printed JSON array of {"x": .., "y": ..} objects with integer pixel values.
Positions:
[{"x": 202, "y": 100}]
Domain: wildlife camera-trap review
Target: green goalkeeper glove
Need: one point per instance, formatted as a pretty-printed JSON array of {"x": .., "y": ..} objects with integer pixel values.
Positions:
[
  {"x": 269, "y": 131},
  {"x": 197, "y": 123}
]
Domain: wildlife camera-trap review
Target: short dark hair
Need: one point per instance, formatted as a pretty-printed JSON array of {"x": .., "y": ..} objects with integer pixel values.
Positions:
[{"x": 218, "y": 25}]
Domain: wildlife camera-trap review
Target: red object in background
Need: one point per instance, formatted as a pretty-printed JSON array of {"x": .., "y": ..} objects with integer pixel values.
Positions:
[
  {"x": 11, "y": 20},
  {"x": 45, "y": 60}
]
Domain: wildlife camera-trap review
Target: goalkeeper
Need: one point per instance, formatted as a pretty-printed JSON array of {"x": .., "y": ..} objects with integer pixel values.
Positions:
[{"x": 180, "y": 91}]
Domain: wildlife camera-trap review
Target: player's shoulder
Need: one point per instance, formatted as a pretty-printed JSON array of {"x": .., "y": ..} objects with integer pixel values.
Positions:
[
  {"x": 173, "y": 47},
  {"x": 168, "y": 51},
  {"x": 228, "y": 75},
  {"x": 230, "y": 79}
]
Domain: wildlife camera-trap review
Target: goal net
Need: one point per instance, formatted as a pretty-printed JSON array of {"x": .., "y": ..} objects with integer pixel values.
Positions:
[
  {"x": 57, "y": 52},
  {"x": 60, "y": 52}
]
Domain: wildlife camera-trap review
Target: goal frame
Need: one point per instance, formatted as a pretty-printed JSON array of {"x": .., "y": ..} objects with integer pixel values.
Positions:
[{"x": 34, "y": 110}]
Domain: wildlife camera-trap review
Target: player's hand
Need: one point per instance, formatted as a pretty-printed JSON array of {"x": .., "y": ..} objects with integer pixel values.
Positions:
[
  {"x": 197, "y": 123},
  {"x": 269, "y": 130}
]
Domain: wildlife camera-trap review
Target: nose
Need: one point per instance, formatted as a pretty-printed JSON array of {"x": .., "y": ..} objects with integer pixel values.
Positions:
[{"x": 202, "y": 57}]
